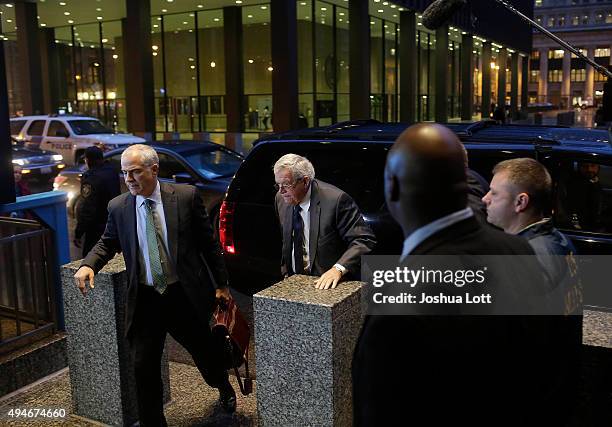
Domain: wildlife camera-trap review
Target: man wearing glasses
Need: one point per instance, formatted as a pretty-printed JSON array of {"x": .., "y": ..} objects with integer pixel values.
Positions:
[{"x": 324, "y": 233}]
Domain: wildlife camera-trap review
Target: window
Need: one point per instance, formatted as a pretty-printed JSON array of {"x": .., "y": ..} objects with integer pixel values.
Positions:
[
  {"x": 582, "y": 51},
  {"x": 585, "y": 19},
  {"x": 534, "y": 76},
  {"x": 551, "y": 21},
  {"x": 535, "y": 54},
  {"x": 539, "y": 19},
  {"x": 578, "y": 75},
  {"x": 16, "y": 126},
  {"x": 56, "y": 126},
  {"x": 609, "y": 18},
  {"x": 88, "y": 127},
  {"x": 556, "y": 54},
  {"x": 575, "y": 20},
  {"x": 561, "y": 21},
  {"x": 215, "y": 163},
  {"x": 36, "y": 128},
  {"x": 555, "y": 76},
  {"x": 538, "y": 3},
  {"x": 582, "y": 204},
  {"x": 599, "y": 17},
  {"x": 602, "y": 52},
  {"x": 169, "y": 166}
]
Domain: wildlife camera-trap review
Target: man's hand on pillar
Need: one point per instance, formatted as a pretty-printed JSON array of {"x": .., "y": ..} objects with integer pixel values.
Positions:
[
  {"x": 329, "y": 279},
  {"x": 82, "y": 275}
]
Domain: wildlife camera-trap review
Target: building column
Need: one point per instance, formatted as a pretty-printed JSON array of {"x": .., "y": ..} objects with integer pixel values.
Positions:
[
  {"x": 283, "y": 15},
  {"x": 502, "y": 62},
  {"x": 514, "y": 85},
  {"x": 565, "y": 84},
  {"x": 50, "y": 69},
  {"x": 486, "y": 81},
  {"x": 525, "y": 84},
  {"x": 234, "y": 71},
  {"x": 589, "y": 82},
  {"x": 7, "y": 180},
  {"x": 28, "y": 48},
  {"x": 467, "y": 80},
  {"x": 359, "y": 59},
  {"x": 441, "y": 77},
  {"x": 138, "y": 61},
  {"x": 543, "y": 80},
  {"x": 408, "y": 58}
]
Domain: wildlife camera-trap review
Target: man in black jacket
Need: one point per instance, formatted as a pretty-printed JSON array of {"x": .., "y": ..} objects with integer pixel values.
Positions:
[
  {"x": 175, "y": 271},
  {"x": 448, "y": 369}
]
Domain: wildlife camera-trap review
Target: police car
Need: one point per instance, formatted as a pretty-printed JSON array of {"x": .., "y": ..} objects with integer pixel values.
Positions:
[{"x": 68, "y": 135}]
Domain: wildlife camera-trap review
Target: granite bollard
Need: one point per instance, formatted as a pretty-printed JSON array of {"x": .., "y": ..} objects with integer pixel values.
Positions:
[
  {"x": 304, "y": 343},
  {"x": 100, "y": 362}
]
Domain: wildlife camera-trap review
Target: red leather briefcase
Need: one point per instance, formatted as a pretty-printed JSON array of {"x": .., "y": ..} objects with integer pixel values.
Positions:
[{"x": 231, "y": 328}]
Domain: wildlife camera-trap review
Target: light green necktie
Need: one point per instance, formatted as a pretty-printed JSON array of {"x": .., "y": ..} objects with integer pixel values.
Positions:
[{"x": 155, "y": 244}]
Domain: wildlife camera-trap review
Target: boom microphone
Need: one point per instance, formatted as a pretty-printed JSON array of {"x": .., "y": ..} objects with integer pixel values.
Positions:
[{"x": 440, "y": 11}]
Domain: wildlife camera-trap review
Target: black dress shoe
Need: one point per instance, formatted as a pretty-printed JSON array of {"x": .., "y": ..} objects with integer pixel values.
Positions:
[{"x": 227, "y": 398}]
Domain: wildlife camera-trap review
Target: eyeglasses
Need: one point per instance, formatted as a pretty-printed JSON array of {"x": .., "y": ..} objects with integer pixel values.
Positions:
[{"x": 279, "y": 187}]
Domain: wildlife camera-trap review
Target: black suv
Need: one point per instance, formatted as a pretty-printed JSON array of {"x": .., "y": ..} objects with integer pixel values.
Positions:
[{"x": 352, "y": 156}]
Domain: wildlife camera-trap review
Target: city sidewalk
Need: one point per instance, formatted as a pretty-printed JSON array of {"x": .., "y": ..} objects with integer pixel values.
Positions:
[{"x": 193, "y": 402}]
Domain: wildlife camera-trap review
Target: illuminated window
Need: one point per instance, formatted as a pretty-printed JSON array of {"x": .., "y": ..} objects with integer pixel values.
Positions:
[
  {"x": 599, "y": 17},
  {"x": 555, "y": 76},
  {"x": 578, "y": 75},
  {"x": 538, "y": 3},
  {"x": 535, "y": 54},
  {"x": 551, "y": 21},
  {"x": 575, "y": 20},
  {"x": 602, "y": 52},
  {"x": 561, "y": 21},
  {"x": 582, "y": 51},
  {"x": 585, "y": 19},
  {"x": 555, "y": 54},
  {"x": 539, "y": 19},
  {"x": 609, "y": 18},
  {"x": 534, "y": 76}
]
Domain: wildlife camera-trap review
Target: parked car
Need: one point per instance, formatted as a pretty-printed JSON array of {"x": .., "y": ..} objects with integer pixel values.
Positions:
[
  {"x": 69, "y": 135},
  {"x": 208, "y": 166},
  {"x": 352, "y": 156},
  {"x": 37, "y": 166}
]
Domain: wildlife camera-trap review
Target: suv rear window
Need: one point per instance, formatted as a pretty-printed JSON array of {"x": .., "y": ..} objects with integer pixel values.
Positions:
[
  {"x": 16, "y": 126},
  {"x": 88, "y": 127},
  {"x": 352, "y": 167},
  {"x": 36, "y": 128}
]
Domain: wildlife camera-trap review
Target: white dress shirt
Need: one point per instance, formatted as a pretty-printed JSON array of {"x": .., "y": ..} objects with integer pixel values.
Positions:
[
  {"x": 141, "y": 228},
  {"x": 419, "y": 235}
]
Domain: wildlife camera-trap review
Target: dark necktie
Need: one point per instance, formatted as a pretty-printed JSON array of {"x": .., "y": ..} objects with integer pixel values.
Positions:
[
  {"x": 298, "y": 240},
  {"x": 157, "y": 253}
]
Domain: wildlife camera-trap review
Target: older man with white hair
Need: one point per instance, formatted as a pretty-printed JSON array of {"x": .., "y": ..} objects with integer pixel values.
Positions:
[
  {"x": 324, "y": 233},
  {"x": 174, "y": 264}
]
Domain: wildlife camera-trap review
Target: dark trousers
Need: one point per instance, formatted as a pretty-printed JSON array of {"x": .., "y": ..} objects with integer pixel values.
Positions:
[{"x": 155, "y": 316}]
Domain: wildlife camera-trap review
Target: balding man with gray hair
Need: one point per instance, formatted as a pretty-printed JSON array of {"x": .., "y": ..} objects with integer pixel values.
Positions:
[
  {"x": 175, "y": 271},
  {"x": 324, "y": 233}
]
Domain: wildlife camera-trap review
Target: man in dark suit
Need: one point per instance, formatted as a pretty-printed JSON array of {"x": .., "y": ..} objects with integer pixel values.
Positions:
[
  {"x": 169, "y": 249},
  {"x": 447, "y": 369},
  {"x": 324, "y": 233}
]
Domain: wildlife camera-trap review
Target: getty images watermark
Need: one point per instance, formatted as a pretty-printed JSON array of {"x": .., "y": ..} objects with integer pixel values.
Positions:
[{"x": 474, "y": 285}]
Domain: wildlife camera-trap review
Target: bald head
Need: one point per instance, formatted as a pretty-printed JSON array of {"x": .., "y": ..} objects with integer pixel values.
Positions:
[{"x": 425, "y": 175}]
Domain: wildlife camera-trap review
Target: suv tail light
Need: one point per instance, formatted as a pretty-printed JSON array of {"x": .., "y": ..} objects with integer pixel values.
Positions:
[{"x": 226, "y": 227}]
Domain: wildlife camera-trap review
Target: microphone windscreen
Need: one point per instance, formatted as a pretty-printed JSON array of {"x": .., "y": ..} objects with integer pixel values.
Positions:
[{"x": 440, "y": 11}]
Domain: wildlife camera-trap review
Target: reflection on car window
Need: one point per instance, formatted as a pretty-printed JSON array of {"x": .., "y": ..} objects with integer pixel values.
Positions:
[
  {"x": 36, "y": 128},
  {"x": 16, "y": 126},
  {"x": 169, "y": 166},
  {"x": 56, "y": 126},
  {"x": 214, "y": 164},
  {"x": 88, "y": 127},
  {"x": 584, "y": 197}
]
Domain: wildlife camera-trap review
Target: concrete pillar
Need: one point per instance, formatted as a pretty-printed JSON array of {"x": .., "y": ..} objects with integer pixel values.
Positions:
[
  {"x": 467, "y": 81},
  {"x": 441, "y": 75},
  {"x": 502, "y": 62},
  {"x": 514, "y": 85},
  {"x": 284, "y": 60},
  {"x": 359, "y": 59},
  {"x": 50, "y": 69},
  {"x": 28, "y": 48},
  {"x": 138, "y": 61},
  {"x": 565, "y": 84},
  {"x": 408, "y": 58},
  {"x": 543, "y": 81},
  {"x": 525, "y": 84},
  {"x": 589, "y": 82},
  {"x": 304, "y": 343},
  {"x": 234, "y": 71},
  {"x": 486, "y": 80}
]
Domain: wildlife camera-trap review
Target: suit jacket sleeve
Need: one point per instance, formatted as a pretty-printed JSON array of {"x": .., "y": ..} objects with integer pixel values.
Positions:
[
  {"x": 277, "y": 204},
  {"x": 107, "y": 247},
  {"x": 355, "y": 232},
  {"x": 208, "y": 245}
]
